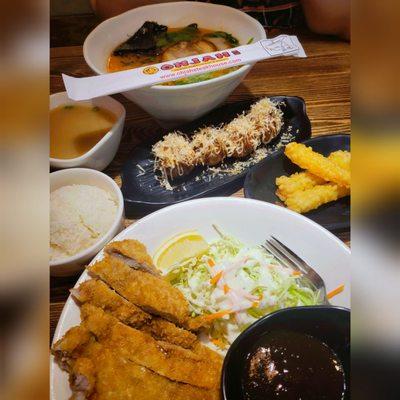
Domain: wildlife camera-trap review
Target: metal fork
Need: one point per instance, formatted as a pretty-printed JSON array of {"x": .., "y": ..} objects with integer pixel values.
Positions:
[{"x": 291, "y": 260}]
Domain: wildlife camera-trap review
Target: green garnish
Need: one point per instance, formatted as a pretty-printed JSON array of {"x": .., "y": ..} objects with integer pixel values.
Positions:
[
  {"x": 224, "y": 35},
  {"x": 250, "y": 41},
  {"x": 186, "y": 34}
]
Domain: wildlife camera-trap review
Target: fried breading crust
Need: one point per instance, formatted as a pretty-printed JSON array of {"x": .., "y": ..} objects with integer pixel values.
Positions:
[
  {"x": 97, "y": 372},
  {"x": 73, "y": 339},
  {"x": 97, "y": 293},
  {"x": 161, "y": 329},
  {"x": 152, "y": 294},
  {"x": 82, "y": 378},
  {"x": 134, "y": 253},
  {"x": 341, "y": 158},
  {"x": 288, "y": 185},
  {"x": 310, "y": 199},
  {"x": 119, "y": 379},
  {"x": 170, "y": 361},
  {"x": 317, "y": 164},
  {"x": 122, "y": 380}
]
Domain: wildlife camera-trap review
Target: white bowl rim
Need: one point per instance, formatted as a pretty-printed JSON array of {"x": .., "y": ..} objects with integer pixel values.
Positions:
[
  {"x": 232, "y": 74},
  {"x": 102, "y": 141},
  {"x": 114, "y": 226}
]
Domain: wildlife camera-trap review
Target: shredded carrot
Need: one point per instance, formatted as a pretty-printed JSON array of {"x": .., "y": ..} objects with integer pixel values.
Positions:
[
  {"x": 226, "y": 288},
  {"x": 214, "y": 280},
  {"x": 217, "y": 315},
  {"x": 211, "y": 262},
  {"x": 255, "y": 304},
  {"x": 335, "y": 292},
  {"x": 296, "y": 273}
]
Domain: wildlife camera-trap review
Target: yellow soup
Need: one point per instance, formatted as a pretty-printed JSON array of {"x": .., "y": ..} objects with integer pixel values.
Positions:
[{"x": 75, "y": 129}]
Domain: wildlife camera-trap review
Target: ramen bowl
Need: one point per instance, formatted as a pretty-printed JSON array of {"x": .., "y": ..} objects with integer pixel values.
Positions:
[{"x": 181, "y": 103}]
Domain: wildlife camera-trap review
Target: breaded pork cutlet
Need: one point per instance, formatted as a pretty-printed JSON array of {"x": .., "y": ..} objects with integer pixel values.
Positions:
[
  {"x": 97, "y": 293},
  {"x": 162, "y": 329},
  {"x": 74, "y": 353},
  {"x": 118, "y": 379},
  {"x": 97, "y": 373},
  {"x": 172, "y": 362},
  {"x": 133, "y": 253},
  {"x": 151, "y": 293}
]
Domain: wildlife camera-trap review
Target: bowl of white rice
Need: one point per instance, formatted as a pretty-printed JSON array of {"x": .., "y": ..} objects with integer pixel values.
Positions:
[{"x": 86, "y": 212}]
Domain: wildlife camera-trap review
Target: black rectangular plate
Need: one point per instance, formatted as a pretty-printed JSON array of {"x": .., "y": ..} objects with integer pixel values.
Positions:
[
  {"x": 260, "y": 182},
  {"x": 143, "y": 193}
]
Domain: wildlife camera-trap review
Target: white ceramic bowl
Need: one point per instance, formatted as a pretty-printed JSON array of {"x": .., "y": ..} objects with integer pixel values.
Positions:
[
  {"x": 175, "y": 103},
  {"x": 100, "y": 155},
  {"x": 252, "y": 221},
  {"x": 83, "y": 176}
]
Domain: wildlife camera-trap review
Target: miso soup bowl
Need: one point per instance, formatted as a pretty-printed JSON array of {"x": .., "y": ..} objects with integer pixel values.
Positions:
[
  {"x": 103, "y": 152},
  {"x": 175, "y": 104}
]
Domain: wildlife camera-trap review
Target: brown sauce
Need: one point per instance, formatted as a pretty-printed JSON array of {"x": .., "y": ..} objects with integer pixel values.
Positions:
[
  {"x": 292, "y": 366},
  {"x": 75, "y": 129}
]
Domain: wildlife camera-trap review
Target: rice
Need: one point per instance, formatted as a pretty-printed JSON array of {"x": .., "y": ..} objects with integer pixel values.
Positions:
[{"x": 79, "y": 216}]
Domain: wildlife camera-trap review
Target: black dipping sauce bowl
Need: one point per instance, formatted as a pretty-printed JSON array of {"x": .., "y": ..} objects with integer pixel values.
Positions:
[{"x": 329, "y": 324}]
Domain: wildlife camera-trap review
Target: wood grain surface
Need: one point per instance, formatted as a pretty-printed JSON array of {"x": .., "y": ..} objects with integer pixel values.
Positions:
[{"x": 322, "y": 79}]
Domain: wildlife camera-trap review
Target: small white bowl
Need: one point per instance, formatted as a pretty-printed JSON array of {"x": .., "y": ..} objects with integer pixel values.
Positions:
[
  {"x": 175, "y": 103},
  {"x": 82, "y": 176},
  {"x": 100, "y": 155}
]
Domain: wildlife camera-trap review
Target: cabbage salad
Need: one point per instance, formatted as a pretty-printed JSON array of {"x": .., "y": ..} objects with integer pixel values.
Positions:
[{"x": 233, "y": 285}]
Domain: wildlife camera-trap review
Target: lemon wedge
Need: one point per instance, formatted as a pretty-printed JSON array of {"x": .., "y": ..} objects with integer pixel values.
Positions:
[{"x": 179, "y": 248}]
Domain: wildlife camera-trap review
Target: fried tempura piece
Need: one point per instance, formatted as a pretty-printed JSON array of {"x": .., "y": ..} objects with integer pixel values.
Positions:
[
  {"x": 170, "y": 361},
  {"x": 298, "y": 181},
  {"x": 317, "y": 164},
  {"x": 133, "y": 253},
  {"x": 310, "y": 199},
  {"x": 174, "y": 155},
  {"x": 267, "y": 119},
  {"x": 341, "y": 158},
  {"x": 288, "y": 185},
  {"x": 151, "y": 293},
  {"x": 97, "y": 293}
]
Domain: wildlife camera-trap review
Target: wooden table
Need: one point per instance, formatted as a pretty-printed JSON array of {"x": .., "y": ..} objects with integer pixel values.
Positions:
[{"x": 322, "y": 79}]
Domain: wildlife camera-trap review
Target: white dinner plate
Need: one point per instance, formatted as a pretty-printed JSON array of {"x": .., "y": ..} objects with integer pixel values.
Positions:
[{"x": 252, "y": 222}]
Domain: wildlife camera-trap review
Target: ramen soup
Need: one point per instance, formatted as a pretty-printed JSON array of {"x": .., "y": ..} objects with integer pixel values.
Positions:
[
  {"x": 154, "y": 43},
  {"x": 75, "y": 129}
]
